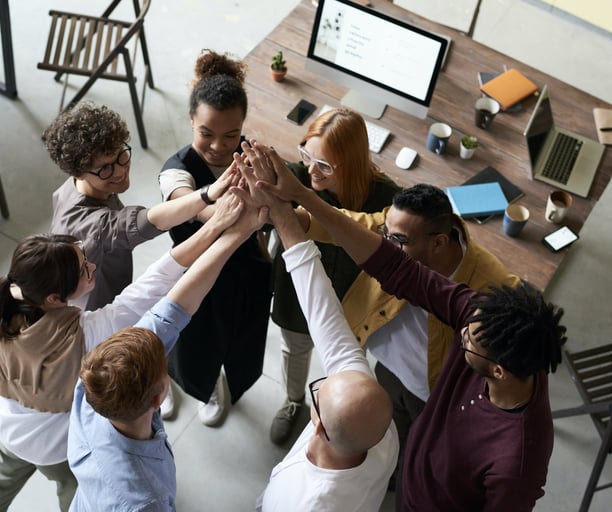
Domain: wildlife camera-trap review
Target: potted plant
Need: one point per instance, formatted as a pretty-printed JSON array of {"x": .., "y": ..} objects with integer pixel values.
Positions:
[
  {"x": 278, "y": 67},
  {"x": 469, "y": 143}
]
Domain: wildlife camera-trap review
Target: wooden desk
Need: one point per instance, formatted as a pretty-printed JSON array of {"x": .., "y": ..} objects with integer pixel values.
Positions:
[{"x": 502, "y": 146}]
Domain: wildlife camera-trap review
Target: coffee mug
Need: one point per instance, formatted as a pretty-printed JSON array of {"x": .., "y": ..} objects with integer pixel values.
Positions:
[
  {"x": 557, "y": 205},
  {"x": 515, "y": 218},
  {"x": 486, "y": 110},
  {"x": 438, "y": 136}
]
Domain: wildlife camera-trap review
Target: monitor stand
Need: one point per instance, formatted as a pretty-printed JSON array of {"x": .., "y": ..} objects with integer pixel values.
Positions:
[{"x": 363, "y": 104}]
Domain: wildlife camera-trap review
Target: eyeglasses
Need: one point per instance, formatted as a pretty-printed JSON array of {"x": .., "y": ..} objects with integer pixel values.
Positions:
[
  {"x": 399, "y": 240},
  {"x": 107, "y": 170},
  {"x": 314, "y": 389},
  {"x": 84, "y": 270},
  {"x": 308, "y": 160},
  {"x": 465, "y": 339}
]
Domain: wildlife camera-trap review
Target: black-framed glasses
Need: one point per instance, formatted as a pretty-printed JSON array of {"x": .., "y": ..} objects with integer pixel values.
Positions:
[
  {"x": 107, "y": 170},
  {"x": 84, "y": 270},
  {"x": 308, "y": 160},
  {"x": 314, "y": 390},
  {"x": 399, "y": 240},
  {"x": 465, "y": 339}
]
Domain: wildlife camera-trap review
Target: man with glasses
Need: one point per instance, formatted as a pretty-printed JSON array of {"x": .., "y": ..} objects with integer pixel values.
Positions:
[
  {"x": 409, "y": 343},
  {"x": 90, "y": 143},
  {"x": 344, "y": 457},
  {"x": 485, "y": 436}
]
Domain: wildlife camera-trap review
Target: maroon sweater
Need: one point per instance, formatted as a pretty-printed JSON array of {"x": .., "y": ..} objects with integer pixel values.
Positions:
[{"x": 463, "y": 453}]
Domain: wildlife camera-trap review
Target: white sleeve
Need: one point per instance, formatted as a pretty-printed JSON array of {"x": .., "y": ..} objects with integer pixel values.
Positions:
[
  {"x": 171, "y": 179},
  {"x": 133, "y": 302},
  {"x": 332, "y": 337}
]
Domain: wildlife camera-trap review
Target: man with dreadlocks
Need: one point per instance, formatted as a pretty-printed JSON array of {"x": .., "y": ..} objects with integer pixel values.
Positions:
[{"x": 485, "y": 437}]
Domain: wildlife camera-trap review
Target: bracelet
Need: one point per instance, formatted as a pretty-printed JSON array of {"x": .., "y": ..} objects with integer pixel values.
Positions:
[{"x": 204, "y": 195}]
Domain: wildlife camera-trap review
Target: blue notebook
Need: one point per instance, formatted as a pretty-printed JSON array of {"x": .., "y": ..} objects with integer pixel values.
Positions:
[{"x": 477, "y": 200}]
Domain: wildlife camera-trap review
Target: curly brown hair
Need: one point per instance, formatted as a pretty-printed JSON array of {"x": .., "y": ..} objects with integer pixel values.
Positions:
[
  {"x": 219, "y": 82},
  {"x": 78, "y": 136}
]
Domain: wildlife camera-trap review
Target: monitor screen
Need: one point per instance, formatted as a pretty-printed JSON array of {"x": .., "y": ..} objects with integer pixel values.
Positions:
[{"x": 381, "y": 59}]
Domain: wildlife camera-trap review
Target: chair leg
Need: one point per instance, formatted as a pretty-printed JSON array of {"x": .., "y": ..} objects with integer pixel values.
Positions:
[
  {"x": 135, "y": 102},
  {"x": 3, "y": 204},
  {"x": 597, "y": 468}
]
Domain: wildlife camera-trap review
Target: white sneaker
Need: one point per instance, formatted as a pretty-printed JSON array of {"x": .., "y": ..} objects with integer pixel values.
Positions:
[
  {"x": 167, "y": 406},
  {"x": 212, "y": 413}
]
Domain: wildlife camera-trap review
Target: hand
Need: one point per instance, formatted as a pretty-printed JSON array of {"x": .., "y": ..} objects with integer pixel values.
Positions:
[
  {"x": 251, "y": 219},
  {"x": 227, "y": 210},
  {"x": 283, "y": 184},
  {"x": 230, "y": 177}
]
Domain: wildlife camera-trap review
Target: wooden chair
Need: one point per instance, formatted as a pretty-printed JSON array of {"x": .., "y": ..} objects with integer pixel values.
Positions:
[
  {"x": 591, "y": 371},
  {"x": 97, "y": 47},
  {"x": 3, "y": 204}
]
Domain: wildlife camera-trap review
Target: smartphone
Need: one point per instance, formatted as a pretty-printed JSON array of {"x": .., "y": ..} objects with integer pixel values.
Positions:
[
  {"x": 301, "y": 111},
  {"x": 559, "y": 239}
]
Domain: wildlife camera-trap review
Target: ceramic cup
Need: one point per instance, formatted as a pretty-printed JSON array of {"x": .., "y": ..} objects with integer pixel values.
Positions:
[
  {"x": 438, "y": 136},
  {"x": 557, "y": 205},
  {"x": 485, "y": 111},
  {"x": 515, "y": 218}
]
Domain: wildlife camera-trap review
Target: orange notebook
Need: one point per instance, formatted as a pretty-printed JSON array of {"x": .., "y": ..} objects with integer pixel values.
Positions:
[{"x": 509, "y": 87}]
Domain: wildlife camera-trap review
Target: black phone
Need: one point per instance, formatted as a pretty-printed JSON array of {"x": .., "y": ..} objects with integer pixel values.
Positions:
[
  {"x": 301, "y": 111},
  {"x": 559, "y": 239}
]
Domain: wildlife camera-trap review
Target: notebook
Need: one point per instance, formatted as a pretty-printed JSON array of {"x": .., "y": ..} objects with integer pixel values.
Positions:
[
  {"x": 559, "y": 157},
  {"x": 491, "y": 175},
  {"x": 477, "y": 200},
  {"x": 508, "y": 88}
]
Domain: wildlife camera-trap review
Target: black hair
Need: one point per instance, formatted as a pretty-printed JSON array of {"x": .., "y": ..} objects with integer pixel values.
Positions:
[
  {"x": 519, "y": 329},
  {"x": 41, "y": 265},
  {"x": 219, "y": 83},
  {"x": 429, "y": 202}
]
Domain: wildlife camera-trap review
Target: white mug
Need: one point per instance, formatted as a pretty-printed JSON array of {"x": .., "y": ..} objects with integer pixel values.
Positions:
[{"x": 557, "y": 205}]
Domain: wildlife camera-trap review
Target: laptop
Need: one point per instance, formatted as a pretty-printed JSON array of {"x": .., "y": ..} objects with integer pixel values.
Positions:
[{"x": 559, "y": 157}]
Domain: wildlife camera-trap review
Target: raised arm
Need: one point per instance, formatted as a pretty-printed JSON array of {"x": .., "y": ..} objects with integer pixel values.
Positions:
[
  {"x": 197, "y": 281},
  {"x": 186, "y": 204}
]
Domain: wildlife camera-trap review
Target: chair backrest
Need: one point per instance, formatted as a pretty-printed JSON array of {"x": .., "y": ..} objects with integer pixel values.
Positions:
[
  {"x": 81, "y": 44},
  {"x": 591, "y": 371}
]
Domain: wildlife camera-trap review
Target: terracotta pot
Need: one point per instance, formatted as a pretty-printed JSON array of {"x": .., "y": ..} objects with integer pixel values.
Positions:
[{"x": 277, "y": 76}]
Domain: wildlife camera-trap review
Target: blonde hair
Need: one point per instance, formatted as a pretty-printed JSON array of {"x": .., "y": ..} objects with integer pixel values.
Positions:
[{"x": 344, "y": 141}]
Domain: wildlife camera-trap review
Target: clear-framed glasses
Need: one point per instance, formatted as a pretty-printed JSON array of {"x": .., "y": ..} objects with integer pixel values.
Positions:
[
  {"x": 107, "y": 170},
  {"x": 84, "y": 270},
  {"x": 314, "y": 390},
  {"x": 399, "y": 240},
  {"x": 465, "y": 339},
  {"x": 308, "y": 160}
]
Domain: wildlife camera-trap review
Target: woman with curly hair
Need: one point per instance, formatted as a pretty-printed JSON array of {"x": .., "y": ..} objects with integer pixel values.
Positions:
[
  {"x": 90, "y": 143},
  {"x": 229, "y": 329}
]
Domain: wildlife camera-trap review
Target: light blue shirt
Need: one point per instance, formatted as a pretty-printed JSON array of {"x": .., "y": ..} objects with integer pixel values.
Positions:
[{"x": 115, "y": 472}]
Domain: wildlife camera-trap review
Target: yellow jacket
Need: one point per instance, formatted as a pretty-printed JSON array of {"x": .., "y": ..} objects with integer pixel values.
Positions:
[{"x": 367, "y": 307}]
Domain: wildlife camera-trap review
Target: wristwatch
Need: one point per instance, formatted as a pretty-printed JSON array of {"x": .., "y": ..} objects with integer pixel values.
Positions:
[{"x": 204, "y": 195}]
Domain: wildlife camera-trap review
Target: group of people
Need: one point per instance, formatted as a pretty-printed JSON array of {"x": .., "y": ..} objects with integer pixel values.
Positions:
[{"x": 455, "y": 415}]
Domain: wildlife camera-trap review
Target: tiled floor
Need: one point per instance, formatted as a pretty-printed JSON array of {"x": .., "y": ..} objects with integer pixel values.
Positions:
[{"x": 224, "y": 469}]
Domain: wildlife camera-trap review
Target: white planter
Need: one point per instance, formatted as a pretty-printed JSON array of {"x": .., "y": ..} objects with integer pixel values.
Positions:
[{"x": 465, "y": 153}]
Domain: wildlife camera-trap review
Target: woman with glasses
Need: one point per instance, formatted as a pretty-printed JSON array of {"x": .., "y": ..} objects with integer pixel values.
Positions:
[
  {"x": 90, "y": 143},
  {"x": 223, "y": 346},
  {"x": 336, "y": 163},
  {"x": 43, "y": 339}
]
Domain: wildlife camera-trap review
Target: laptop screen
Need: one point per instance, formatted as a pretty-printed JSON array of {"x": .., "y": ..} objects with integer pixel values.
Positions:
[{"x": 540, "y": 123}]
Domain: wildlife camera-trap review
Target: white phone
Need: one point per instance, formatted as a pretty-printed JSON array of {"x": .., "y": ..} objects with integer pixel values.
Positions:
[{"x": 559, "y": 239}]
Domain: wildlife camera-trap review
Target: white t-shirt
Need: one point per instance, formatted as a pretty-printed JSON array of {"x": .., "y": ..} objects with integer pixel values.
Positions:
[{"x": 296, "y": 484}]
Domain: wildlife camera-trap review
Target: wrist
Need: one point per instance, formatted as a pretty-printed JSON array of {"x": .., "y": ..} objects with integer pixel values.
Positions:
[{"x": 204, "y": 195}]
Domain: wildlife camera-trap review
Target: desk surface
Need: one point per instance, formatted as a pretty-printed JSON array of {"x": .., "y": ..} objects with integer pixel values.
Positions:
[{"x": 502, "y": 146}]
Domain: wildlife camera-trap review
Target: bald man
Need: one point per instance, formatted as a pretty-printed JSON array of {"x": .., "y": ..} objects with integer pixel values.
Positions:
[{"x": 344, "y": 457}]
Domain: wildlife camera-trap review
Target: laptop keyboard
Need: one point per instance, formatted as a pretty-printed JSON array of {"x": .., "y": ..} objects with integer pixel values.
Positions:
[{"x": 562, "y": 157}]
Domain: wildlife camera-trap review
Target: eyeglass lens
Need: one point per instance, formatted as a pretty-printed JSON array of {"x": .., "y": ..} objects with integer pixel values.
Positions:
[
  {"x": 308, "y": 160},
  {"x": 106, "y": 171}
]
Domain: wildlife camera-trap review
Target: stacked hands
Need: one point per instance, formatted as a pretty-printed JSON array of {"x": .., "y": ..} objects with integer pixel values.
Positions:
[{"x": 267, "y": 184}]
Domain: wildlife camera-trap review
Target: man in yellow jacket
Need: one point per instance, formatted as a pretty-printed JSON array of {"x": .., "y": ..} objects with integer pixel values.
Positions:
[{"x": 410, "y": 345}]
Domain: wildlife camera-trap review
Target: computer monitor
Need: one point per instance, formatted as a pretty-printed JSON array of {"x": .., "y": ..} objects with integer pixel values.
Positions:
[{"x": 380, "y": 59}]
